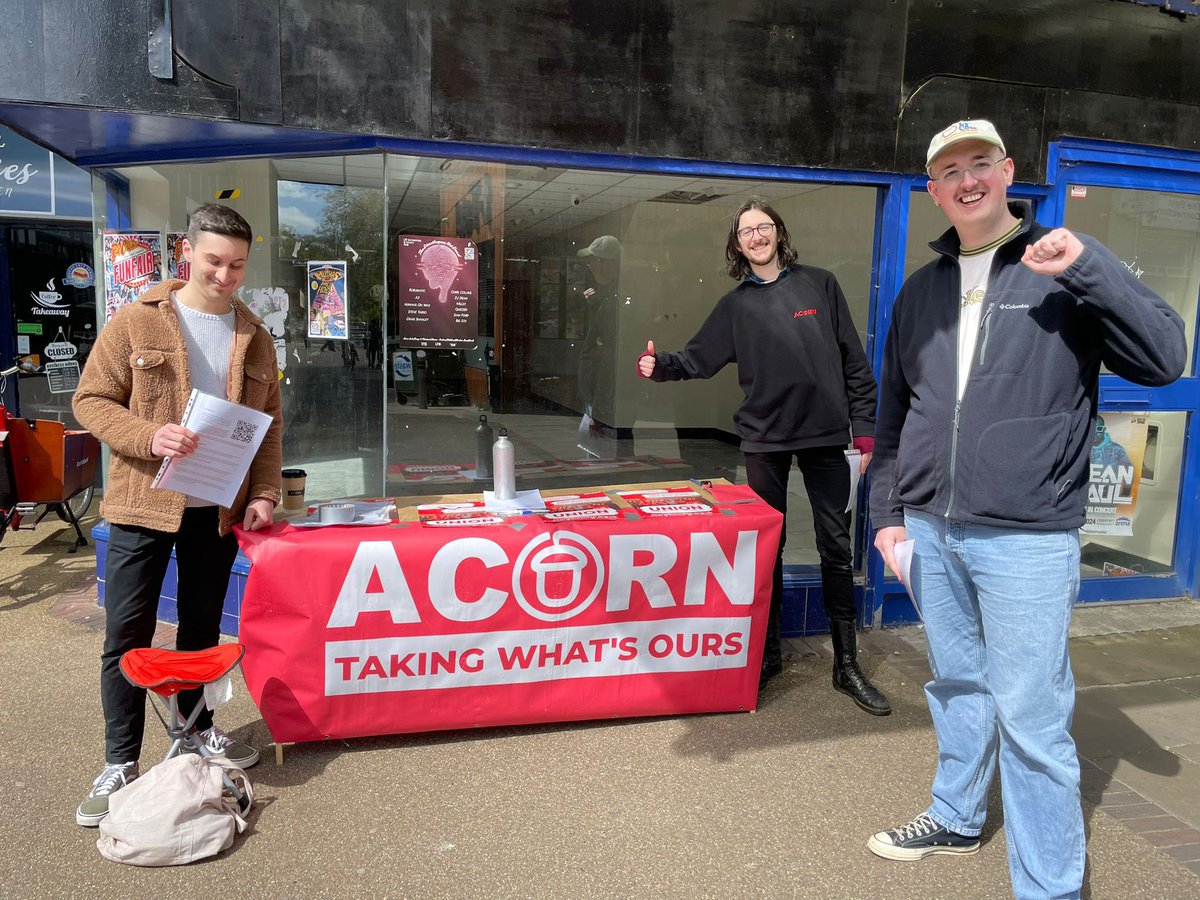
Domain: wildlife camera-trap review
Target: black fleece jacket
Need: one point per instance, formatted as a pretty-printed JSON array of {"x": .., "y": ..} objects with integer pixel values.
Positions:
[
  {"x": 1014, "y": 452},
  {"x": 800, "y": 362}
]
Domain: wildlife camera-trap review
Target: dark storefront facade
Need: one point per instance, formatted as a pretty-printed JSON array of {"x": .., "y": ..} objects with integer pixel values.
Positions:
[{"x": 589, "y": 155}]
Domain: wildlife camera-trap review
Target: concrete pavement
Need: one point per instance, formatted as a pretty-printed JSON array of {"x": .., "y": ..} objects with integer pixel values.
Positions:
[{"x": 778, "y": 803}]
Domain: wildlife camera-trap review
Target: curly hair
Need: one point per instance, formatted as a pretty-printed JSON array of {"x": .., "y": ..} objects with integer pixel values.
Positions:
[{"x": 736, "y": 264}]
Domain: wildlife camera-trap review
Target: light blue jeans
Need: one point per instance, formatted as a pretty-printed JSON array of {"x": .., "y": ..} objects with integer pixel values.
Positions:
[{"x": 997, "y": 603}]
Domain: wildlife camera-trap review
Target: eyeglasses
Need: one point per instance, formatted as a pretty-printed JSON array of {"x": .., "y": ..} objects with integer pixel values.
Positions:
[
  {"x": 979, "y": 170},
  {"x": 764, "y": 229}
]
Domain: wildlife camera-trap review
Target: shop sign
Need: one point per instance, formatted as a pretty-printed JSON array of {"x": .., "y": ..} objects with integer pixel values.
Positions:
[
  {"x": 402, "y": 365},
  {"x": 63, "y": 377},
  {"x": 79, "y": 275},
  {"x": 26, "y": 176},
  {"x": 60, "y": 350},
  {"x": 49, "y": 302}
]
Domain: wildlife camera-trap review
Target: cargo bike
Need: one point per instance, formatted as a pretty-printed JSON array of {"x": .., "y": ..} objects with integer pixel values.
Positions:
[{"x": 45, "y": 467}]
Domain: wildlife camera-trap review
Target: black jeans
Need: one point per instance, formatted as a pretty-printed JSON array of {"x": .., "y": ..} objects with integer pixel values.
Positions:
[
  {"x": 135, "y": 566},
  {"x": 827, "y": 482}
]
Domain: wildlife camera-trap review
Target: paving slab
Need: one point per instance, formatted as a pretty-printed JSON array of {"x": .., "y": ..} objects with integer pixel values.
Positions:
[
  {"x": 1173, "y": 786},
  {"x": 1142, "y": 656},
  {"x": 1190, "y": 685},
  {"x": 1116, "y": 719}
]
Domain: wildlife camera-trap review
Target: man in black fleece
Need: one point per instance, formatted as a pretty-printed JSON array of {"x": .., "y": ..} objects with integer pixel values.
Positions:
[
  {"x": 985, "y": 430},
  {"x": 807, "y": 384}
]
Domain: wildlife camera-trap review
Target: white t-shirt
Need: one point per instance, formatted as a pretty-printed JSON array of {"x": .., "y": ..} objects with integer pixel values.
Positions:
[
  {"x": 209, "y": 341},
  {"x": 974, "y": 269}
]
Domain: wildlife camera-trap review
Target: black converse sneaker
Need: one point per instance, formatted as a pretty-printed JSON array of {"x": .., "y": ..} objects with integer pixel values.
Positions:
[{"x": 920, "y": 838}]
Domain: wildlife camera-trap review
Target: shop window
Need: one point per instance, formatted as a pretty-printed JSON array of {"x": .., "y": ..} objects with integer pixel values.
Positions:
[{"x": 577, "y": 270}]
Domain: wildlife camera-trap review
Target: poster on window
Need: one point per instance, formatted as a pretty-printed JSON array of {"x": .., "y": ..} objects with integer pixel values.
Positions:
[
  {"x": 132, "y": 264},
  {"x": 1118, "y": 447},
  {"x": 328, "y": 301},
  {"x": 438, "y": 292},
  {"x": 177, "y": 266}
]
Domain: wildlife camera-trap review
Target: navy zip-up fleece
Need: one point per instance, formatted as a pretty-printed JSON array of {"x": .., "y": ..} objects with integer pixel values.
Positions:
[
  {"x": 1014, "y": 452},
  {"x": 800, "y": 362}
]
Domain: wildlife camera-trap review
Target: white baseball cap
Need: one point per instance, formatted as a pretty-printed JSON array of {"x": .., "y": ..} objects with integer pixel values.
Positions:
[
  {"x": 967, "y": 130},
  {"x": 606, "y": 247}
]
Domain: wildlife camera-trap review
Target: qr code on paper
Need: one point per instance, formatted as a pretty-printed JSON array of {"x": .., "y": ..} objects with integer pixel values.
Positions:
[{"x": 243, "y": 431}]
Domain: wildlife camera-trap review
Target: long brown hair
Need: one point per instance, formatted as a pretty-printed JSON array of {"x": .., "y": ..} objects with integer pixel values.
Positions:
[{"x": 737, "y": 266}]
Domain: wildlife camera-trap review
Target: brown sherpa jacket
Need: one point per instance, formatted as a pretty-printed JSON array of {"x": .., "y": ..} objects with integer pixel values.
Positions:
[{"x": 137, "y": 379}]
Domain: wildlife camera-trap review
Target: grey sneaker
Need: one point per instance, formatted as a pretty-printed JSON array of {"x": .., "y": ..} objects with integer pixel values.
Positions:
[
  {"x": 95, "y": 805},
  {"x": 241, "y": 755},
  {"x": 918, "y": 839}
]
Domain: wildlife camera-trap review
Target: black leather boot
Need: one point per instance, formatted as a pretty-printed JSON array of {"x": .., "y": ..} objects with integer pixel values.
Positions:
[
  {"x": 772, "y": 661},
  {"x": 848, "y": 677}
]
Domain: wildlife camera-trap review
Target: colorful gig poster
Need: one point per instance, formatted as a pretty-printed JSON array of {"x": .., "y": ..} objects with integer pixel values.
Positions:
[
  {"x": 177, "y": 266},
  {"x": 438, "y": 291},
  {"x": 132, "y": 263},
  {"x": 327, "y": 300},
  {"x": 1118, "y": 447}
]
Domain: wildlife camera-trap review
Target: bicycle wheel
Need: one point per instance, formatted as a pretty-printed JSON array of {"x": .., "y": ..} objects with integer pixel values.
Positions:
[{"x": 79, "y": 504}]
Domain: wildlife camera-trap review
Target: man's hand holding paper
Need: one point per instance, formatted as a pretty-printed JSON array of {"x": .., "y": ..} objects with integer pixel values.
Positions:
[{"x": 173, "y": 441}]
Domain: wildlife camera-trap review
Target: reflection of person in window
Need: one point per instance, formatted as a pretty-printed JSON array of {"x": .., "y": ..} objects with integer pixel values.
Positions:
[
  {"x": 808, "y": 385},
  {"x": 597, "y": 358}
]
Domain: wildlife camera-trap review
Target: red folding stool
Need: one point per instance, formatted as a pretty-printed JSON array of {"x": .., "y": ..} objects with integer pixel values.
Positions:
[{"x": 166, "y": 673}]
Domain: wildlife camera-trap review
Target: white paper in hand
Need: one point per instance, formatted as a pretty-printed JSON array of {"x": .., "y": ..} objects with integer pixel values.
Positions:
[
  {"x": 230, "y": 435},
  {"x": 903, "y": 551},
  {"x": 854, "y": 462}
]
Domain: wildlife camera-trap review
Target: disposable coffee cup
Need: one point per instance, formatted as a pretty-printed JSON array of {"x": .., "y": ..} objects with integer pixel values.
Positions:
[{"x": 293, "y": 488}]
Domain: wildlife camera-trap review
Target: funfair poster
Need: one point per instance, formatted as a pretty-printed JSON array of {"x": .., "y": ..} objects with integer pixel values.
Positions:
[
  {"x": 438, "y": 291},
  {"x": 177, "y": 266},
  {"x": 328, "y": 303},
  {"x": 132, "y": 263},
  {"x": 1118, "y": 447}
]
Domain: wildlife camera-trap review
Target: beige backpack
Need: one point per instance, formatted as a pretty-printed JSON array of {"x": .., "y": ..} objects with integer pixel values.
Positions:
[{"x": 176, "y": 813}]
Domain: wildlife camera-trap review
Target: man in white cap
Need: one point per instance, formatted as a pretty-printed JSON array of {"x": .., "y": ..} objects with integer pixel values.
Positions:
[
  {"x": 597, "y": 358},
  {"x": 982, "y": 445}
]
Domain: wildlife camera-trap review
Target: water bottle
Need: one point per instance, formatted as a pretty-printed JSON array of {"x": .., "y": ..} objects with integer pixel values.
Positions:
[
  {"x": 483, "y": 449},
  {"x": 504, "y": 476}
]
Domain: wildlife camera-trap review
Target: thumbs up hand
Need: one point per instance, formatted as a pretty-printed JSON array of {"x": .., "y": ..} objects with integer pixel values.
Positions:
[{"x": 646, "y": 361}]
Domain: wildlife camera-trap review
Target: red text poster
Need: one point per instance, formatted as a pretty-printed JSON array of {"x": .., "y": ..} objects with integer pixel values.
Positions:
[
  {"x": 132, "y": 263},
  {"x": 438, "y": 291}
]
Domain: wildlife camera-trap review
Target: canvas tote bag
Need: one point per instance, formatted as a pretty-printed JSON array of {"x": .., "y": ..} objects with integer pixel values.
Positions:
[{"x": 176, "y": 813}]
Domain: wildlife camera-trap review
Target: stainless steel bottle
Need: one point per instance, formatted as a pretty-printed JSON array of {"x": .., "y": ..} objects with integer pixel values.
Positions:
[{"x": 504, "y": 476}]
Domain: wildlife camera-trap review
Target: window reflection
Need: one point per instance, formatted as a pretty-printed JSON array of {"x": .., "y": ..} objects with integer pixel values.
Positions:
[{"x": 1154, "y": 233}]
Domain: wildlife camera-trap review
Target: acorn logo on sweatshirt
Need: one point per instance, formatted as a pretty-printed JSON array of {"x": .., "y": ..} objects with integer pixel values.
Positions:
[{"x": 801, "y": 313}]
